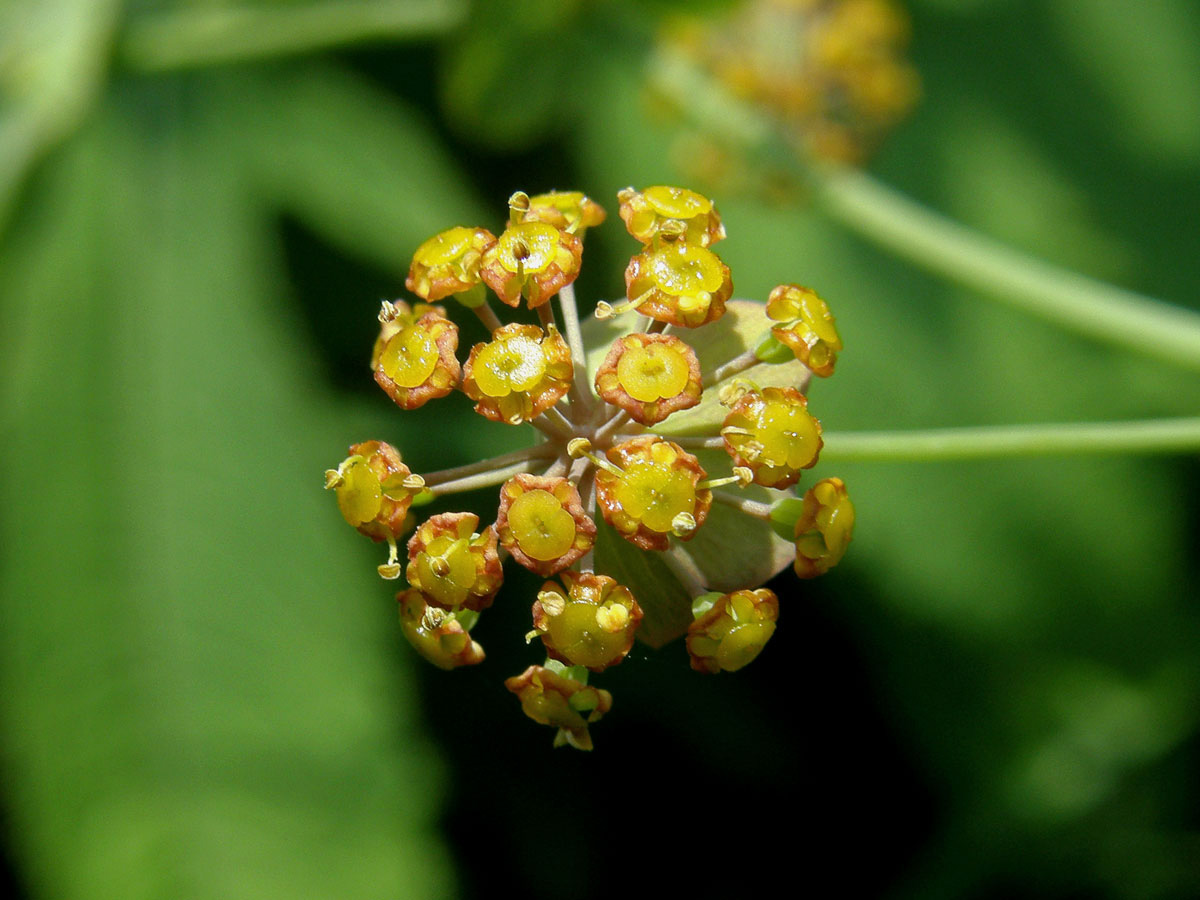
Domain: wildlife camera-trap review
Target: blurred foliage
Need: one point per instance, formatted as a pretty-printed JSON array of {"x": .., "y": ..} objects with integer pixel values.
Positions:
[{"x": 203, "y": 688}]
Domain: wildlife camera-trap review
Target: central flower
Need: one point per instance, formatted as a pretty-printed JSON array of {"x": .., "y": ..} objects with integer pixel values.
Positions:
[{"x": 519, "y": 374}]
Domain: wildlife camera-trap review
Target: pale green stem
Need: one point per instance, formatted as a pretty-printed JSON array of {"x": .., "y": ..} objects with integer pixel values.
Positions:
[
  {"x": 699, "y": 442},
  {"x": 1175, "y": 436},
  {"x": 735, "y": 366},
  {"x": 743, "y": 505},
  {"x": 684, "y": 568},
  {"x": 580, "y": 392},
  {"x": 216, "y": 35},
  {"x": 1080, "y": 304},
  {"x": 556, "y": 418},
  {"x": 538, "y": 451},
  {"x": 609, "y": 428},
  {"x": 484, "y": 479}
]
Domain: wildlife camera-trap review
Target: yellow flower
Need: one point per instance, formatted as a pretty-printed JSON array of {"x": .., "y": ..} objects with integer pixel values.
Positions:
[
  {"x": 824, "y": 529},
  {"x": 452, "y": 565},
  {"x": 532, "y": 260},
  {"x": 374, "y": 489},
  {"x": 650, "y": 376},
  {"x": 646, "y": 212},
  {"x": 732, "y": 631},
  {"x": 570, "y": 211},
  {"x": 417, "y": 363},
  {"x": 448, "y": 263},
  {"x": 808, "y": 327},
  {"x": 649, "y": 491},
  {"x": 437, "y": 635},
  {"x": 519, "y": 374},
  {"x": 679, "y": 283},
  {"x": 591, "y": 624},
  {"x": 772, "y": 433},
  {"x": 542, "y": 523},
  {"x": 562, "y": 702}
]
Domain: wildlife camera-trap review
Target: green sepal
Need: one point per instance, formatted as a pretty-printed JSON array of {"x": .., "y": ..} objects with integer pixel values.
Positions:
[
  {"x": 473, "y": 297},
  {"x": 577, "y": 673},
  {"x": 704, "y": 603},
  {"x": 784, "y": 516},
  {"x": 465, "y": 617},
  {"x": 584, "y": 701},
  {"x": 773, "y": 352},
  {"x": 424, "y": 498}
]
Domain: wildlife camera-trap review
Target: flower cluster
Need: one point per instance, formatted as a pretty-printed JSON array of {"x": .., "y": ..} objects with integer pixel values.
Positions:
[{"x": 656, "y": 494}]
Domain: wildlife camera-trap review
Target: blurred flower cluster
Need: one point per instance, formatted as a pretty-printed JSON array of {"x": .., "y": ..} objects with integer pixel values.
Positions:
[
  {"x": 680, "y": 371},
  {"x": 830, "y": 75}
]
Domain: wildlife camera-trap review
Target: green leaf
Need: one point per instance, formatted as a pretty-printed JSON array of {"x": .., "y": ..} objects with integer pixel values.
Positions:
[
  {"x": 52, "y": 59},
  {"x": 198, "y": 691}
]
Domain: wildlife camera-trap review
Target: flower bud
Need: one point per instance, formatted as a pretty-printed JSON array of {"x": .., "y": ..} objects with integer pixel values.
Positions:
[
  {"x": 731, "y": 632},
  {"x": 437, "y": 635},
  {"x": 561, "y": 702},
  {"x": 824, "y": 529}
]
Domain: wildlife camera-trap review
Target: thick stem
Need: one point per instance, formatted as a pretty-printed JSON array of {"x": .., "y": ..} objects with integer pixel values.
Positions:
[
  {"x": 1080, "y": 304},
  {"x": 990, "y": 442}
]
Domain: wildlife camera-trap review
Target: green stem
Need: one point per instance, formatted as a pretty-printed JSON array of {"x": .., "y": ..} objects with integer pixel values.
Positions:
[
  {"x": 991, "y": 442},
  {"x": 1080, "y": 304},
  {"x": 193, "y": 37}
]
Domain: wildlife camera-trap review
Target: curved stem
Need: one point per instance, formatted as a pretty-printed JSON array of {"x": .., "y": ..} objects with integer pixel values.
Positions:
[
  {"x": 999, "y": 441},
  {"x": 934, "y": 242}
]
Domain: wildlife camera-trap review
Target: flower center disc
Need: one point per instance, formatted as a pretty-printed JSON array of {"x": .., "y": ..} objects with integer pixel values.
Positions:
[
  {"x": 410, "y": 357},
  {"x": 517, "y": 364},
  {"x": 530, "y": 246},
  {"x": 360, "y": 496},
  {"x": 655, "y": 495},
  {"x": 652, "y": 373},
  {"x": 544, "y": 530},
  {"x": 676, "y": 202},
  {"x": 788, "y": 434},
  {"x": 683, "y": 269},
  {"x": 447, "y": 247}
]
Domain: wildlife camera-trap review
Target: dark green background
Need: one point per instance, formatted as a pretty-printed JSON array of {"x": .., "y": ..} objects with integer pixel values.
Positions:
[{"x": 204, "y": 692}]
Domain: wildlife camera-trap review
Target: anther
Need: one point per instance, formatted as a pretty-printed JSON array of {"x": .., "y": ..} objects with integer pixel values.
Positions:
[
  {"x": 433, "y": 618},
  {"x": 518, "y": 205},
  {"x": 683, "y": 525},
  {"x": 553, "y": 603},
  {"x": 413, "y": 482},
  {"x": 576, "y": 447},
  {"x": 387, "y": 312},
  {"x": 440, "y": 567},
  {"x": 334, "y": 478}
]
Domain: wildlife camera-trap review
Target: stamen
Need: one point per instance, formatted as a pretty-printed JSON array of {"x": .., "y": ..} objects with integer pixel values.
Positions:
[
  {"x": 684, "y": 524},
  {"x": 387, "y": 312},
  {"x": 334, "y": 478},
  {"x": 741, "y": 504},
  {"x": 390, "y": 570},
  {"x": 582, "y": 447}
]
